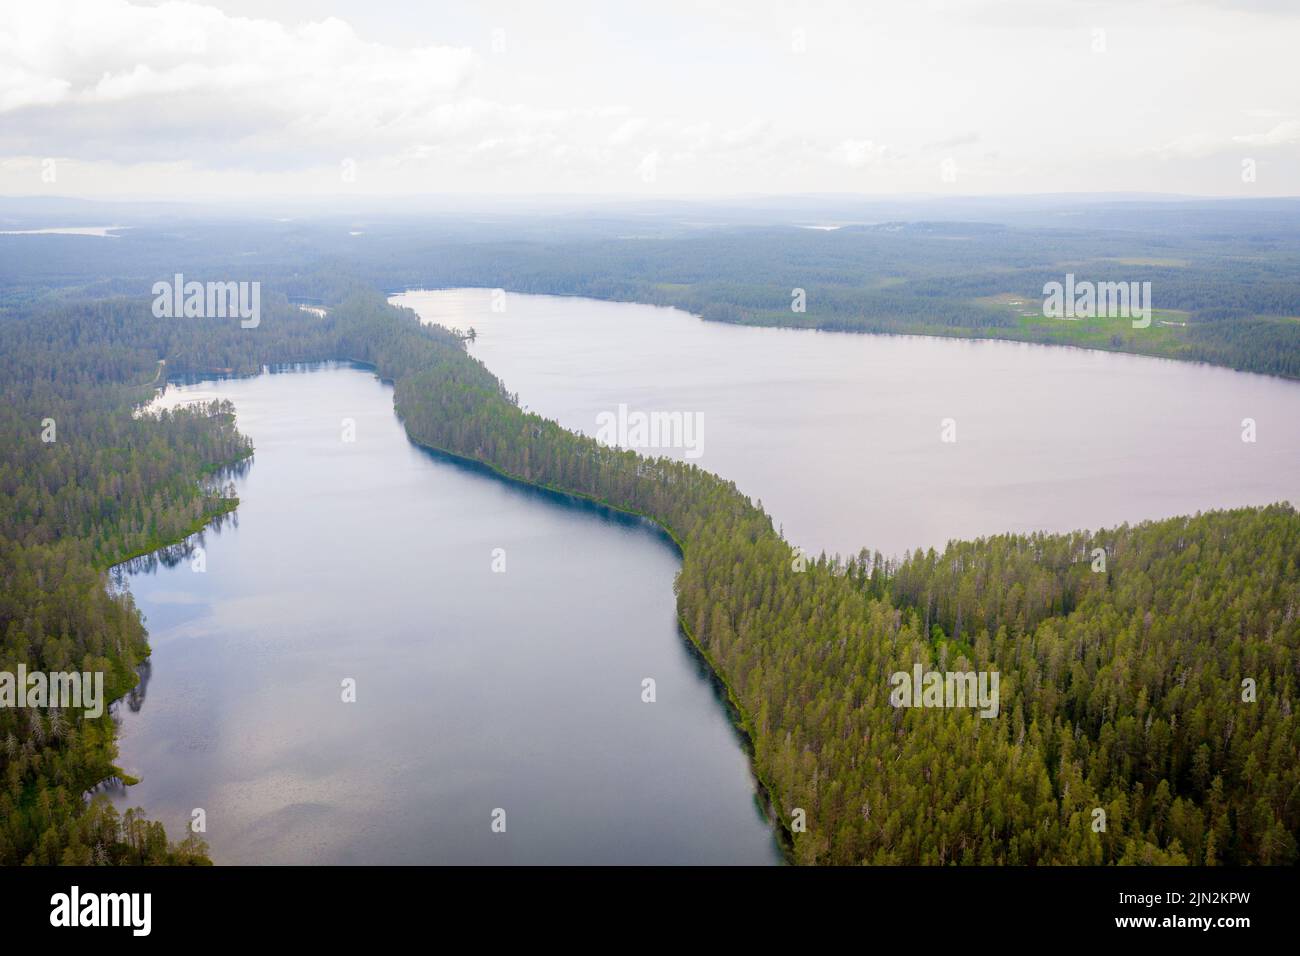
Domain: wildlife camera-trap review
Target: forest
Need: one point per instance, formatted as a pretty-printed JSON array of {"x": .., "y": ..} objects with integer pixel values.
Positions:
[
  {"x": 85, "y": 484},
  {"x": 1160, "y": 691},
  {"x": 1222, "y": 273},
  {"x": 1121, "y": 691}
]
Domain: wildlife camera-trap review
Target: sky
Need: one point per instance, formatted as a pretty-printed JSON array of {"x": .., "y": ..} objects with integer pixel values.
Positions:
[{"x": 327, "y": 98}]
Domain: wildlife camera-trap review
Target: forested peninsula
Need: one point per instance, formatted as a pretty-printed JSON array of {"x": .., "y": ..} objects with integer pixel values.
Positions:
[{"x": 1120, "y": 691}]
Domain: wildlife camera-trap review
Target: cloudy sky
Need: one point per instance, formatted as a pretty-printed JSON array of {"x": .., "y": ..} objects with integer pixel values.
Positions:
[{"x": 319, "y": 98}]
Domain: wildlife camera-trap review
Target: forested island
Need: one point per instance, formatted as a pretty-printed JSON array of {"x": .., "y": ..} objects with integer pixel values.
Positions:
[{"x": 1121, "y": 690}]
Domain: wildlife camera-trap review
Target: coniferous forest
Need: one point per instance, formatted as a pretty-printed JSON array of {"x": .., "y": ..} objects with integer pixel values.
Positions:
[
  {"x": 578, "y": 447},
  {"x": 1160, "y": 691}
]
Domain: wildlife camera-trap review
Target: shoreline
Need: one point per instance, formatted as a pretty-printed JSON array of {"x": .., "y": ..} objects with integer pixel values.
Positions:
[
  {"x": 740, "y": 720},
  {"x": 964, "y": 333}
]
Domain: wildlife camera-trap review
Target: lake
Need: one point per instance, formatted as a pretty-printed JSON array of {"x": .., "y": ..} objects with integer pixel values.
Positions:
[
  {"x": 520, "y": 690},
  {"x": 103, "y": 232},
  {"x": 841, "y": 435},
  {"x": 476, "y": 690}
]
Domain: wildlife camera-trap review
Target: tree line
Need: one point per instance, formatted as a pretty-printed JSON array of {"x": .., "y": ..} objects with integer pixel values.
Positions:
[{"x": 1123, "y": 690}]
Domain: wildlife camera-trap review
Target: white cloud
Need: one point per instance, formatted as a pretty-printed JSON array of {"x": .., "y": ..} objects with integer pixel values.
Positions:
[
  {"x": 181, "y": 76},
  {"x": 1279, "y": 135},
  {"x": 856, "y": 153},
  {"x": 1190, "y": 145},
  {"x": 628, "y": 131},
  {"x": 698, "y": 97},
  {"x": 1203, "y": 144}
]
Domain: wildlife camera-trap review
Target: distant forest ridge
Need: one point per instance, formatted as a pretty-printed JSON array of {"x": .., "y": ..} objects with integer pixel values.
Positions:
[{"x": 1224, "y": 277}]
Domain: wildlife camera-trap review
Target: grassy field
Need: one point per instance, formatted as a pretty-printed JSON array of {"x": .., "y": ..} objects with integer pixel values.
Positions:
[{"x": 1166, "y": 335}]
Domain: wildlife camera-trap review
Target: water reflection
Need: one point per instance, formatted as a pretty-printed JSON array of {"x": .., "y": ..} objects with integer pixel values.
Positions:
[{"x": 373, "y": 561}]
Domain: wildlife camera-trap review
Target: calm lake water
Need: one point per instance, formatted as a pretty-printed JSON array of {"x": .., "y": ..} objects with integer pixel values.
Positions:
[
  {"x": 840, "y": 434},
  {"x": 475, "y": 690}
]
